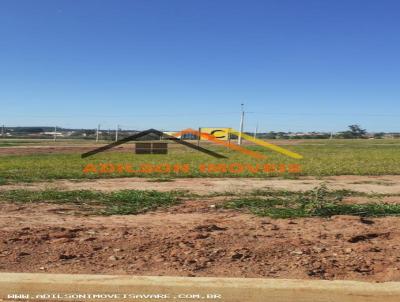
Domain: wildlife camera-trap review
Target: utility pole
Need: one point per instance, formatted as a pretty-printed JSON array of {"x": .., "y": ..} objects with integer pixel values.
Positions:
[
  {"x": 255, "y": 132},
  {"x": 116, "y": 133},
  {"x": 55, "y": 133},
  {"x": 97, "y": 133},
  {"x": 241, "y": 124}
]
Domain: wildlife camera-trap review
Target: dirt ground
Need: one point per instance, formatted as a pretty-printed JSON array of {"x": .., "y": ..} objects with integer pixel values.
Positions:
[
  {"x": 387, "y": 184},
  {"x": 26, "y": 150},
  {"x": 197, "y": 239}
]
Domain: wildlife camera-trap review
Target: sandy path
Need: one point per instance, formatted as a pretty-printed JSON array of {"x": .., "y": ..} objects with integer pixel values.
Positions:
[{"x": 387, "y": 184}]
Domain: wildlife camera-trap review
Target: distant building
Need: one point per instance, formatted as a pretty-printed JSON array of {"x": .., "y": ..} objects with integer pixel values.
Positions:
[{"x": 52, "y": 133}]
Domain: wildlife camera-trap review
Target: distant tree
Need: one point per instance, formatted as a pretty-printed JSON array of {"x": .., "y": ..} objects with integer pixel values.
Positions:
[
  {"x": 282, "y": 135},
  {"x": 355, "y": 131},
  {"x": 270, "y": 135},
  {"x": 29, "y": 130}
]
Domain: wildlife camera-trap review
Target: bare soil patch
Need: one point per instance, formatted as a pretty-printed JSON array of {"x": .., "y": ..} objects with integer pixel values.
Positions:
[
  {"x": 28, "y": 150},
  {"x": 197, "y": 239},
  {"x": 377, "y": 200}
]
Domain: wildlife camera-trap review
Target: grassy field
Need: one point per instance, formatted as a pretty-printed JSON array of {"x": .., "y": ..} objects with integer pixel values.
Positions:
[{"x": 321, "y": 158}]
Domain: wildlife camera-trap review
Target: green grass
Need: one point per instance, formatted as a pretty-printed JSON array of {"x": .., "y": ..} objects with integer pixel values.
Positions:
[
  {"x": 114, "y": 203},
  {"x": 160, "y": 180},
  {"x": 319, "y": 202},
  {"x": 375, "y": 182},
  {"x": 7, "y": 144},
  {"x": 321, "y": 158}
]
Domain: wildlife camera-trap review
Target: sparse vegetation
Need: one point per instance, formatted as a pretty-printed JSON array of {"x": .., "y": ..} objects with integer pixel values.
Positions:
[
  {"x": 318, "y": 202},
  {"x": 160, "y": 180},
  {"x": 375, "y": 182},
  {"x": 120, "y": 202}
]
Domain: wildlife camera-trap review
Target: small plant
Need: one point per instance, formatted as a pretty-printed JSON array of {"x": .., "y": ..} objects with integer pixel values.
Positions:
[
  {"x": 314, "y": 201},
  {"x": 134, "y": 202}
]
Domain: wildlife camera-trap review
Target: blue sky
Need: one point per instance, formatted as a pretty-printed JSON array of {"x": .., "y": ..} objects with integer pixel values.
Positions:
[{"x": 297, "y": 65}]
